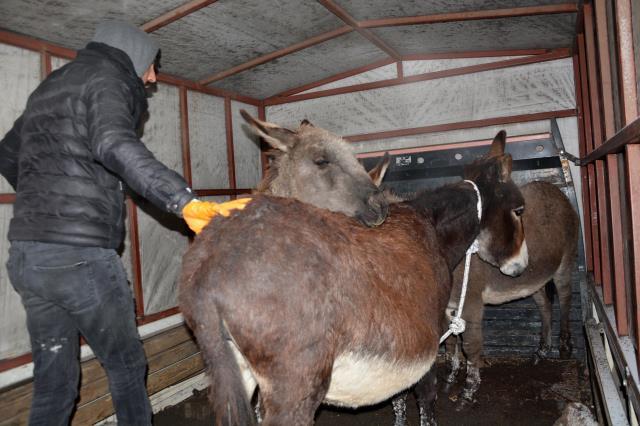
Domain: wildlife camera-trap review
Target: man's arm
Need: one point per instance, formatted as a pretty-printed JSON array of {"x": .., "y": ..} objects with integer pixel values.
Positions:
[
  {"x": 115, "y": 144},
  {"x": 9, "y": 149}
]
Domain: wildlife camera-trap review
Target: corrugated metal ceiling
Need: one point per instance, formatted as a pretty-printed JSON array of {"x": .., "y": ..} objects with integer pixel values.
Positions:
[{"x": 260, "y": 48}]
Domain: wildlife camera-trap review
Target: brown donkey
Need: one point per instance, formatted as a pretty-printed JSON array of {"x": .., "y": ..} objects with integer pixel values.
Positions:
[
  {"x": 310, "y": 306},
  {"x": 551, "y": 227}
]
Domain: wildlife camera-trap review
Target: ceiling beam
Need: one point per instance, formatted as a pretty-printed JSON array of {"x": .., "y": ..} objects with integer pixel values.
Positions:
[
  {"x": 175, "y": 14},
  {"x": 349, "y": 20},
  {"x": 471, "y": 15},
  {"x": 336, "y": 77},
  {"x": 277, "y": 54}
]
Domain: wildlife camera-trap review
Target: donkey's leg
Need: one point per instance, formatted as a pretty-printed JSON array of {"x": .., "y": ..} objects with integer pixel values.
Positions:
[
  {"x": 472, "y": 340},
  {"x": 472, "y": 345},
  {"x": 292, "y": 398},
  {"x": 544, "y": 304},
  {"x": 562, "y": 280},
  {"x": 399, "y": 403},
  {"x": 452, "y": 360},
  {"x": 426, "y": 392}
]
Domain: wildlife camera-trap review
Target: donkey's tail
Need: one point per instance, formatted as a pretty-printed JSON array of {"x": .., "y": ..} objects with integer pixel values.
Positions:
[{"x": 227, "y": 393}]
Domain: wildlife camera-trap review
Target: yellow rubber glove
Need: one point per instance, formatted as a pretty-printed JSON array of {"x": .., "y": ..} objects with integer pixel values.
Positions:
[{"x": 198, "y": 213}]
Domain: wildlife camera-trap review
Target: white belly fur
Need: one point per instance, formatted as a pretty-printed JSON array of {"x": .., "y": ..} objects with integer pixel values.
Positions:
[
  {"x": 358, "y": 379},
  {"x": 491, "y": 297}
]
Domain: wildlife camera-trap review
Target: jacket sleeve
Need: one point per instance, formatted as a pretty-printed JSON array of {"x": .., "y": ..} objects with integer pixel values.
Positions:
[
  {"x": 9, "y": 149},
  {"x": 115, "y": 144}
]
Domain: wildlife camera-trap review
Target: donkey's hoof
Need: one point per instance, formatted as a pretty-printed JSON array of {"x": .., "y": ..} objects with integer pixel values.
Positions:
[{"x": 464, "y": 404}]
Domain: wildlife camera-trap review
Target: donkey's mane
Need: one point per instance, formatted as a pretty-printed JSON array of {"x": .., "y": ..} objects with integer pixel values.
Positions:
[{"x": 272, "y": 171}]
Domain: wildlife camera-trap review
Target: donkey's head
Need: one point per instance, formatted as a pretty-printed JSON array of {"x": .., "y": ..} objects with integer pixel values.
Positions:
[
  {"x": 501, "y": 237},
  {"x": 319, "y": 168}
]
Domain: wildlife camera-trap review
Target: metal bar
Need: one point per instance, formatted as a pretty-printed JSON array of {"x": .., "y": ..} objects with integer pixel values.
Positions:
[
  {"x": 277, "y": 54},
  {"x": 349, "y": 20},
  {"x": 622, "y": 347},
  {"x": 553, "y": 55},
  {"x": 605, "y": 67},
  {"x": 45, "y": 64},
  {"x": 462, "y": 125},
  {"x": 184, "y": 133},
  {"x": 336, "y": 77},
  {"x": 221, "y": 192},
  {"x": 197, "y": 87},
  {"x": 614, "y": 409},
  {"x": 582, "y": 111},
  {"x": 158, "y": 315},
  {"x": 627, "y": 61},
  {"x": 630, "y": 134},
  {"x": 399, "y": 70},
  {"x": 7, "y": 198},
  {"x": 474, "y": 54},
  {"x": 593, "y": 221},
  {"x": 231, "y": 162},
  {"x": 619, "y": 281},
  {"x": 592, "y": 67},
  {"x": 175, "y": 14},
  {"x": 471, "y": 15},
  {"x": 633, "y": 195},
  {"x": 134, "y": 239},
  {"x": 603, "y": 223}
]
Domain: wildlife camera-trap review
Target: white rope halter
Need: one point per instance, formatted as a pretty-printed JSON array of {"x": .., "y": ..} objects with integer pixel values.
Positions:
[{"x": 457, "y": 324}]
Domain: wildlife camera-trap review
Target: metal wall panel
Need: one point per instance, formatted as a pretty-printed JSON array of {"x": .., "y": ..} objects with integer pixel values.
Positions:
[
  {"x": 162, "y": 240},
  {"x": 208, "y": 143},
  {"x": 546, "y": 86},
  {"x": 58, "y": 62},
  {"x": 246, "y": 148},
  {"x": 19, "y": 76}
]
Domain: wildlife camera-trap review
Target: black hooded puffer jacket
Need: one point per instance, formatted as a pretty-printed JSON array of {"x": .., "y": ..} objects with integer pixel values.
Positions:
[{"x": 74, "y": 142}]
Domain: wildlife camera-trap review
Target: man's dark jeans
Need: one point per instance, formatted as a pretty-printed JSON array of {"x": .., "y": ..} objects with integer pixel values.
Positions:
[{"x": 68, "y": 290}]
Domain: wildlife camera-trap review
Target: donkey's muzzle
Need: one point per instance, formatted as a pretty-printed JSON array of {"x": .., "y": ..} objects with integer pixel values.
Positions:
[{"x": 376, "y": 211}]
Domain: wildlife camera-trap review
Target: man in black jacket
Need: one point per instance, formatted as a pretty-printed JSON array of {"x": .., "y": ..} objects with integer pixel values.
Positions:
[{"x": 66, "y": 157}]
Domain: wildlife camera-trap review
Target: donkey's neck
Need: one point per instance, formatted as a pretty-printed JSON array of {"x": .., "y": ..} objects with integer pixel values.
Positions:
[{"x": 453, "y": 212}]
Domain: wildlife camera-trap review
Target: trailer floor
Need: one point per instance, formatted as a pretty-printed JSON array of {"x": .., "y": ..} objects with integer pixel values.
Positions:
[{"x": 513, "y": 392}]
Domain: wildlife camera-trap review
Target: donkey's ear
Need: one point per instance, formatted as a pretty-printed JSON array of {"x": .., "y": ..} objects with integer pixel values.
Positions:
[
  {"x": 498, "y": 144},
  {"x": 306, "y": 122},
  {"x": 276, "y": 136},
  {"x": 377, "y": 173},
  {"x": 505, "y": 165}
]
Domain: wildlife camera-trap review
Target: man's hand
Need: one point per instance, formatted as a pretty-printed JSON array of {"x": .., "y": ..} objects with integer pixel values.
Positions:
[{"x": 198, "y": 213}]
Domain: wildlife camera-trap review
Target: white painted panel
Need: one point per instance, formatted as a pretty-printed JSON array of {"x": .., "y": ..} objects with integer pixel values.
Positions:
[
  {"x": 58, "y": 62},
  {"x": 19, "y": 76},
  {"x": 432, "y": 65},
  {"x": 207, "y": 141},
  {"x": 246, "y": 148},
  {"x": 382, "y": 73},
  {"x": 14, "y": 337},
  {"x": 527, "y": 89},
  {"x": 161, "y": 239},
  {"x": 453, "y": 136}
]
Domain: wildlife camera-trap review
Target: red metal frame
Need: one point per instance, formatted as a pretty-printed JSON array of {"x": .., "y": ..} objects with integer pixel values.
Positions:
[
  {"x": 184, "y": 135},
  {"x": 462, "y": 125},
  {"x": 471, "y": 15},
  {"x": 231, "y": 162},
  {"x": 175, "y": 14}
]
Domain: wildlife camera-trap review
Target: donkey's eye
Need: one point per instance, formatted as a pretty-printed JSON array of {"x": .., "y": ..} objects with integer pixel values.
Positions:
[
  {"x": 321, "y": 162},
  {"x": 518, "y": 211}
]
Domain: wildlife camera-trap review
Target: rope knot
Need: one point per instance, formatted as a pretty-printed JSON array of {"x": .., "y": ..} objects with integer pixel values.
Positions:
[{"x": 457, "y": 325}]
